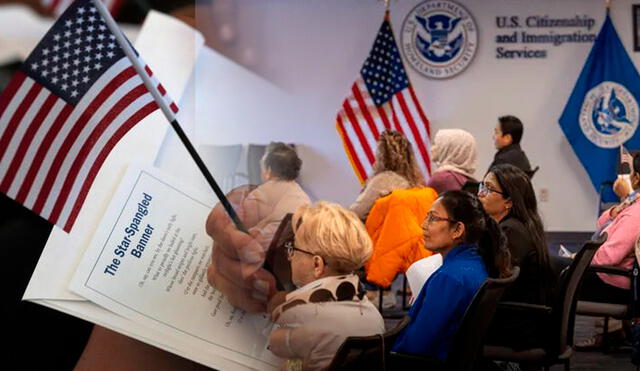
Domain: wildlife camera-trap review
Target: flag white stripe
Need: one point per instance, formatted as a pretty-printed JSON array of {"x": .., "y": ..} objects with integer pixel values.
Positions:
[
  {"x": 95, "y": 151},
  {"x": 404, "y": 124},
  {"x": 81, "y": 139},
  {"x": 357, "y": 146},
  {"x": 418, "y": 120},
  {"x": 28, "y": 159},
  {"x": 19, "y": 134},
  {"x": 364, "y": 126},
  {"x": 373, "y": 112},
  {"x": 68, "y": 125},
  {"x": 14, "y": 104}
]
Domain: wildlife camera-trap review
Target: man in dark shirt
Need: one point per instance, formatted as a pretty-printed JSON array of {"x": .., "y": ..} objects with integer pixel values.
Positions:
[{"x": 506, "y": 138}]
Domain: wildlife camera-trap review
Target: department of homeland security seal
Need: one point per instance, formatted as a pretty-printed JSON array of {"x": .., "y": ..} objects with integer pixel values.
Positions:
[
  {"x": 439, "y": 38},
  {"x": 609, "y": 115}
]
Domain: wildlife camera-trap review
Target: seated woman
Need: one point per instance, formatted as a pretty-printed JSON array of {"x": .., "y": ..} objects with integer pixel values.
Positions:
[
  {"x": 455, "y": 153},
  {"x": 508, "y": 197},
  {"x": 280, "y": 194},
  {"x": 395, "y": 167},
  {"x": 330, "y": 243},
  {"x": 473, "y": 248}
]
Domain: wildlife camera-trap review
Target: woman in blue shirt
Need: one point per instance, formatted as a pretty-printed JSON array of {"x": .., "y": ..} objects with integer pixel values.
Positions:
[{"x": 473, "y": 248}]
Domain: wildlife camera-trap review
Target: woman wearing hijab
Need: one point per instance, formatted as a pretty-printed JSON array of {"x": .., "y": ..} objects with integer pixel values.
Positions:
[{"x": 455, "y": 153}]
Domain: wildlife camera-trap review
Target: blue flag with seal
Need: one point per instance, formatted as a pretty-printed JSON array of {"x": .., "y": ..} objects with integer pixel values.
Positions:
[{"x": 602, "y": 112}]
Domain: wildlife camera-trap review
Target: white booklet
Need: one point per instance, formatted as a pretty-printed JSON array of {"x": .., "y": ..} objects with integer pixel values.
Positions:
[{"x": 147, "y": 262}]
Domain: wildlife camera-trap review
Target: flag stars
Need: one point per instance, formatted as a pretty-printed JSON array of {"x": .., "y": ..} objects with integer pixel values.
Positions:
[
  {"x": 65, "y": 76},
  {"x": 75, "y": 83},
  {"x": 91, "y": 18},
  {"x": 76, "y": 62},
  {"x": 90, "y": 28},
  {"x": 86, "y": 69},
  {"x": 79, "y": 30},
  {"x": 100, "y": 37},
  {"x": 56, "y": 37},
  {"x": 88, "y": 48},
  {"x": 110, "y": 54},
  {"x": 74, "y": 94},
  {"x": 87, "y": 58},
  {"x": 75, "y": 72},
  {"x": 68, "y": 23},
  {"x": 111, "y": 45},
  {"x": 85, "y": 79},
  {"x": 54, "y": 80},
  {"x": 80, "y": 20},
  {"x": 98, "y": 66},
  {"x": 34, "y": 66},
  {"x": 45, "y": 51},
  {"x": 45, "y": 73},
  {"x": 89, "y": 39},
  {"x": 66, "y": 55},
  {"x": 81, "y": 10},
  {"x": 55, "y": 69},
  {"x": 102, "y": 27},
  {"x": 64, "y": 86},
  {"x": 44, "y": 62}
]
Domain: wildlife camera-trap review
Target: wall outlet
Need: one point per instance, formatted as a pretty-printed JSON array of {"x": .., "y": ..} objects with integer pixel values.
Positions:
[{"x": 544, "y": 194}]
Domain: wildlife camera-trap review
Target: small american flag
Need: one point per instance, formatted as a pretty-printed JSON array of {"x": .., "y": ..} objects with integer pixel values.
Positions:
[
  {"x": 74, "y": 98},
  {"x": 382, "y": 98},
  {"x": 57, "y": 7}
]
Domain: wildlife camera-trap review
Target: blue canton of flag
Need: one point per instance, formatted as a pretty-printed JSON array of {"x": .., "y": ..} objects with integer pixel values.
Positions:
[
  {"x": 382, "y": 70},
  {"x": 602, "y": 112}
]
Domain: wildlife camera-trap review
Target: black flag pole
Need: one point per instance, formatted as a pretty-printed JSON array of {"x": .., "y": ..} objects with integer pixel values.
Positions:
[{"x": 171, "y": 117}]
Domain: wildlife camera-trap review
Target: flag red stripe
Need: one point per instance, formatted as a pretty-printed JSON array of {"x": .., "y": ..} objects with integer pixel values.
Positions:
[
  {"x": 17, "y": 117},
  {"x": 173, "y": 107},
  {"x": 365, "y": 110},
  {"x": 10, "y": 90},
  {"x": 161, "y": 89},
  {"x": 423, "y": 117},
  {"x": 355, "y": 161},
  {"x": 383, "y": 116},
  {"x": 52, "y": 7},
  {"x": 25, "y": 142},
  {"x": 356, "y": 127},
  {"x": 104, "y": 123},
  {"x": 419, "y": 141},
  {"x": 396, "y": 122},
  {"x": 75, "y": 131},
  {"x": 149, "y": 72},
  {"x": 42, "y": 152},
  {"x": 102, "y": 156}
]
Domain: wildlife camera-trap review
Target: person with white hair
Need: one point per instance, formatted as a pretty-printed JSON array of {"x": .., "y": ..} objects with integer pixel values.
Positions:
[
  {"x": 455, "y": 153},
  {"x": 330, "y": 243}
]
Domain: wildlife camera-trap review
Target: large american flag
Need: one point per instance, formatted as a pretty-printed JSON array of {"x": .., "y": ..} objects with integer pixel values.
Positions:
[
  {"x": 57, "y": 7},
  {"x": 75, "y": 96},
  {"x": 382, "y": 98}
]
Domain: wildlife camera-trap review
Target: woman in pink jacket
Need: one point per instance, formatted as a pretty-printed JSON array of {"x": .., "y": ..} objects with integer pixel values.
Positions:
[{"x": 622, "y": 225}]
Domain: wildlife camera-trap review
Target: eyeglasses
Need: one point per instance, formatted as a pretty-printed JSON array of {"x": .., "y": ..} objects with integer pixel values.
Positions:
[
  {"x": 484, "y": 190},
  {"x": 430, "y": 219},
  {"x": 290, "y": 246}
]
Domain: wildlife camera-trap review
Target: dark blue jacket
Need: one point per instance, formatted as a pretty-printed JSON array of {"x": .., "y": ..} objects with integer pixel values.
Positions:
[{"x": 438, "y": 309}]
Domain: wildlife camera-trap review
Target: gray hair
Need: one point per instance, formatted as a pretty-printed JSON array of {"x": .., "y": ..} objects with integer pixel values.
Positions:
[{"x": 282, "y": 160}]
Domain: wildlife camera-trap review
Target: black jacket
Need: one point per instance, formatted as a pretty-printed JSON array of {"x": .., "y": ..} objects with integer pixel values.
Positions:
[{"x": 514, "y": 155}]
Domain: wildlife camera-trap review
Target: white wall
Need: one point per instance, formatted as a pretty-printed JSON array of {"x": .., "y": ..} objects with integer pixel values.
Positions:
[{"x": 312, "y": 51}]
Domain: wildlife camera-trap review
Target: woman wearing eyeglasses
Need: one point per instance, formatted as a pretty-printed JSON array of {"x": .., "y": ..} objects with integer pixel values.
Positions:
[
  {"x": 473, "y": 248},
  {"x": 330, "y": 243},
  {"x": 508, "y": 197}
]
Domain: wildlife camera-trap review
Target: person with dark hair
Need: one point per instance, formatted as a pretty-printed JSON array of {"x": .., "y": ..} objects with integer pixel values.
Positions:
[
  {"x": 506, "y": 137},
  {"x": 280, "y": 194},
  {"x": 508, "y": 197},
  {"x": 473, "y": 248},
  {"x": 395, "y": 167}
]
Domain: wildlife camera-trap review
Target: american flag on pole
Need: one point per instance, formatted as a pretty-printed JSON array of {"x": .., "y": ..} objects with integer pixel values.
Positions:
[
  {"x": 74, "y": 98},
  {"x": 57, "y": 7},
  {"x": 382, "y": 98}
]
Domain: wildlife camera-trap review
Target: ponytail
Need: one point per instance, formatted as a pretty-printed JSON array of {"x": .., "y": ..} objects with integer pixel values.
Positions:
[
  {"x": 480, "y": 229},
  {"x": 494, "y": 250}
]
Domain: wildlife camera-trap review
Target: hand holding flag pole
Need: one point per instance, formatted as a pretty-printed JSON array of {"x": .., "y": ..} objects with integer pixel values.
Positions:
[{"x": 140, "y": 69}]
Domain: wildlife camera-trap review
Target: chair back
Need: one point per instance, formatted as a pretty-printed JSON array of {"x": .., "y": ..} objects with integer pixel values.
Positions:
[
  {"x": 470, "y": 335},
  {"x": 359, "y": 353},
  {"x": 564, "y": 310}
]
